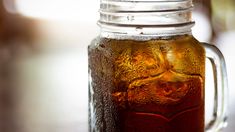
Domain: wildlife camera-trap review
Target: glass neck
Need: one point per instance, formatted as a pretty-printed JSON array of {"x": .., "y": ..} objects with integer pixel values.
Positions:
[{"x": 141, "y": 18}]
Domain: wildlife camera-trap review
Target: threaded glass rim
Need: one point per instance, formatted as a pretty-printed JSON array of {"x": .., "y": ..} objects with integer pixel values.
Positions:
[
  {"x": 148, "y": 15},
  {"x": 150, "y": 12}
]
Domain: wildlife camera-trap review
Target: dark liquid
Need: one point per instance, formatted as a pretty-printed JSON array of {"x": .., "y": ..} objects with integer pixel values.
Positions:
[
  {"x": 147, "y": 86},
  {"x": 168, "y": 108}
]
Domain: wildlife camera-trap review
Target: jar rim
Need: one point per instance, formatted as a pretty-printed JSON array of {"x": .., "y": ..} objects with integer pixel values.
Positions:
[{"x": 148, "y": 15}]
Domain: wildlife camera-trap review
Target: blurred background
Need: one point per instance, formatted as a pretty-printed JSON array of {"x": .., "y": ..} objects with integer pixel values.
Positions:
[{"x": 43, "y": 60}]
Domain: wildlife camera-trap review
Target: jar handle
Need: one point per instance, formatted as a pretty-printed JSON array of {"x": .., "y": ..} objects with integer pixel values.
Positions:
[{"x": 216, "y": 58}]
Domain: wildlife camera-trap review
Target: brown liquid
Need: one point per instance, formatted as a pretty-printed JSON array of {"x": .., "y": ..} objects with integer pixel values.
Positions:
[{"x": 147, "y": 86}]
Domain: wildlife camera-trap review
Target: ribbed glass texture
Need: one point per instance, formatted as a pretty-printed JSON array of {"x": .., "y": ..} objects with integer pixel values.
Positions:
[{"x": 145, "y": 12}]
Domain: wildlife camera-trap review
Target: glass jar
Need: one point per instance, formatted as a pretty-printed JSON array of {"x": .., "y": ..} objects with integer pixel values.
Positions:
[{"x": 147, "y": 71}]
